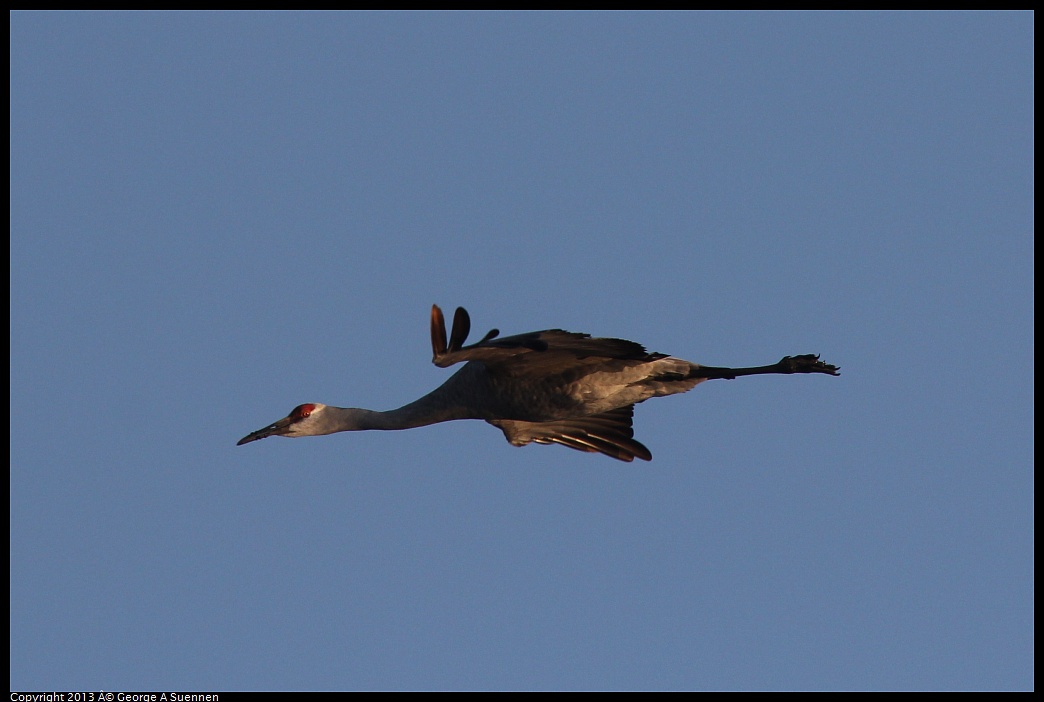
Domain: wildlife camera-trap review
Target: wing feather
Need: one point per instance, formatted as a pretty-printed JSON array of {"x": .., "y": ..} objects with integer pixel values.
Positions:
[
  {"x": 542, "y": 351},
  {"x": 610, "y": 433}
]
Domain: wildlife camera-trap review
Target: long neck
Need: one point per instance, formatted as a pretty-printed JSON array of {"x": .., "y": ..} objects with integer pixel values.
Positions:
[{"x": 427, "y": 410}]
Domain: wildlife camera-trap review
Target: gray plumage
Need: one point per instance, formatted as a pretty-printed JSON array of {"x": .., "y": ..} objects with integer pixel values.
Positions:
[{"x": 548, "y": 387}]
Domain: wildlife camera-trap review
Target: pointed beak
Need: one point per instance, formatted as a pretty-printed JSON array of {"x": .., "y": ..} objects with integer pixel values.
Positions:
[{"x": 276, "y": 429}]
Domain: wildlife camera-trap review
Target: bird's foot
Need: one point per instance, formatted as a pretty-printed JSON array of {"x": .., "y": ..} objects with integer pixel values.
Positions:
[{"x": 807, "y": 363}]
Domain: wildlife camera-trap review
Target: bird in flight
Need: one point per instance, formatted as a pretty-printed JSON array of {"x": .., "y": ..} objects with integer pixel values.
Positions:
[{"x": 551, "y": 387}]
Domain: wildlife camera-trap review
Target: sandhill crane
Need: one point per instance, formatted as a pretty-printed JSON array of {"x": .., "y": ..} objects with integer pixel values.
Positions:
[{"x": 551, "y": 387}]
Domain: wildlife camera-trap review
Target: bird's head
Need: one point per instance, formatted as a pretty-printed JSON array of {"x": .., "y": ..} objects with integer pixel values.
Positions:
[{"x": 303, "y": 420}]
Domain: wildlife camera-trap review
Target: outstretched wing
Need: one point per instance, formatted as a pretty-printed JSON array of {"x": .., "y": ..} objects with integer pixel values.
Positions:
[
  {"x": 545, "y": 350},
  {"x": 609, "y": 433}
]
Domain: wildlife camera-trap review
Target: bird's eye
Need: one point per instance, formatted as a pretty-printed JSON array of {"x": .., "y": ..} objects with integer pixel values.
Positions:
[{"x": 302, "y": 411}]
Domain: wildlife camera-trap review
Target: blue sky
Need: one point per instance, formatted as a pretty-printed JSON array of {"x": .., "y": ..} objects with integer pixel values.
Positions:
[{"x": 216, "y": 217}]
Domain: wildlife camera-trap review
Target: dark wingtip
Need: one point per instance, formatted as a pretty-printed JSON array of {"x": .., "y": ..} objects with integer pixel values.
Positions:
[
  {"x": 461, "y": 329},
  {"x": 438, "y": 332}
]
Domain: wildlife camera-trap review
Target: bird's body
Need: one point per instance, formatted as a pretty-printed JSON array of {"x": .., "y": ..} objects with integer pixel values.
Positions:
[{"x": 551, "y": 386}]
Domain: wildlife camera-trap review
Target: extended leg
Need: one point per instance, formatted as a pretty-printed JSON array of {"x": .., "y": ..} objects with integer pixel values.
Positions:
[{"x": 807, "y": 363}]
